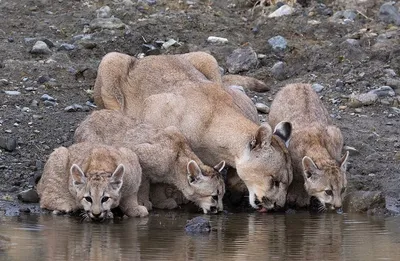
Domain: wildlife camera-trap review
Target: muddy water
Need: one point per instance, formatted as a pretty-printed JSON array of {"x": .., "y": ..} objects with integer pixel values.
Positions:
[{"x": 300, "y": 236}]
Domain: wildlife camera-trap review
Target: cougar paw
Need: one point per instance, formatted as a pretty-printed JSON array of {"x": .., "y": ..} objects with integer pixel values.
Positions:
[
  {"x": 147, "y": 204},
  {"x": 139, "y": 211}
]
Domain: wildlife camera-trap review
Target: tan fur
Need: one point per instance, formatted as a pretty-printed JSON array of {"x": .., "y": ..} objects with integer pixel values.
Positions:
[
  {"x": 166, "y": 196},
  {"x": 164, "y": 155},
  {"x": 95, "y": 178},
  {"x": 315, "y": 146},
  {"x": 186, "y": 91}
]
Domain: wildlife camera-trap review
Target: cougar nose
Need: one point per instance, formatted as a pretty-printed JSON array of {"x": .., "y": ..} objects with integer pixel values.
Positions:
[
  {"x": 213, "y": 209},
  {"x": 96, "y": 215},
  {"x": 257, "y": 202}
]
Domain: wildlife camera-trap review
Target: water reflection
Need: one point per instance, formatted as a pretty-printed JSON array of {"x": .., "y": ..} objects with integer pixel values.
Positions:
[{"x": 240, "y": 236}]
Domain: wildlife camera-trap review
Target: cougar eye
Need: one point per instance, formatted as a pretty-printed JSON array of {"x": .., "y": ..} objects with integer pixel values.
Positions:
[
  {"x": 328, "y": 192},
  {"x": 215, "y": 197},
  {"x": 88, "y": 199},
  {"x": 105, "y": 199},
  {"x": 343, "y": 190}
]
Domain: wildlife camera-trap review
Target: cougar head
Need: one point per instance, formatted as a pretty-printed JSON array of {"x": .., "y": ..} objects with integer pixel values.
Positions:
[
  {"x": 326, "y": 182},
  {"x": 98, "y": 193},
  {"x": 265, "y": 166},
  {"x": 208, "y": 187}
]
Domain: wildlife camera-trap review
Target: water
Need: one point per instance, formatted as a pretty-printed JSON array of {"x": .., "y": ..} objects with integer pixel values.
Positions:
[{"x": 242, "y": 236}]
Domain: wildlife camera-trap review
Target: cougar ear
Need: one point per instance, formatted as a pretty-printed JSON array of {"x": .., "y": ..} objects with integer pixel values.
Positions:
[
  {"x": 343, "y": 161},
  {"x": 116, "y": 179},
  {"x": 309, "y": 167},
  {"x": 220, "y": 166},
  {"x": 263, "y": 137},
  {"x": 284, "y": 131},
  {"x": 194, "y": 171},
  {"x": 78, "y": 176}
]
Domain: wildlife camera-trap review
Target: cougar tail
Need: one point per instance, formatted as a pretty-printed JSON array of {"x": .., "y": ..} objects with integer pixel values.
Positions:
[
  {"x": 112, "y": 74},
  {"x": 246, "y": 82}
]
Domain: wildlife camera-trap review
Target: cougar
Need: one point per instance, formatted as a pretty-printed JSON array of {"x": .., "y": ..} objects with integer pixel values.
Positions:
[
  {"x": 92, "y": 177},
  {"x": 315, "y": 147},
  {"x": 187, "y": 91},
  {"x": 164, "y": 155}
]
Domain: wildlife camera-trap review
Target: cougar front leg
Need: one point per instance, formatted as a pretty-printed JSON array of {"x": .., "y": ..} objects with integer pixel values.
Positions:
[
  {"x": 143, "y": 194},
  {"x": 131, "y": 208}
]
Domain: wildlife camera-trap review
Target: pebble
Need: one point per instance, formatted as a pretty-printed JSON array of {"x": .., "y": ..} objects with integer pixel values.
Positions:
[
  {"x": 394, "y": 83},
  {"x": 40, "y": 47},
  {"x": 42, "y": 79},
  {"x": 390, "y": 72},
  {"x": 7, "y": 143},
  {"x": 90, "y": 104},
  {"x": 389, "y": 13},
  {"x": 4, "y": 82},
  {"x": 66, "y": 47},
  {"x": 339, "y": 83},
  {"x": 25, "y": 109},
  {"x": 104, "y": 12},
  {"x": 50, "y": 103},
  {"x": 73, "y": 108},
  {"x": 281, "y": 11},
  {"x": 383, "y": 91},
  {"x": 169, "y": 43},
  {"x": 215, "y": 39},
  {"x": 349, "y": 14},
  {"x": 107, "y": 23},
  {"x": 46, "y": 97},
  {"x": 358, "y": 100},
  {"x": 241, "y": 59},
  {"x": 34, "y": 103},
  {"x": 278, "y": 70},
  {"x": 261, "y": 107},
  {"x": 12, "y": 93},
  {"x": 322, "y": 9},
  {"x": 317, "y": 87},
  {"x": 278, "y": 43}
]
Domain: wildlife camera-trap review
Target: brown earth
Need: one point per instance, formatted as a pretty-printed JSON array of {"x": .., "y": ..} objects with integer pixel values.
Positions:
[{"x": 316, "y": 53}]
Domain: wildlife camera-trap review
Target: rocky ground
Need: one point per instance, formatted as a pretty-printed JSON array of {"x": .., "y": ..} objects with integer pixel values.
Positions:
[{"x": 349, "y": 51}]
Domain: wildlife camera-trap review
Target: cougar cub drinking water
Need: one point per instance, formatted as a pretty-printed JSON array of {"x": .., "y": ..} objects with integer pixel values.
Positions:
[
  {"x": 164, "y": 155},
  {"x": 92, "y": 177},
  {"x": 315, "y": 147}
]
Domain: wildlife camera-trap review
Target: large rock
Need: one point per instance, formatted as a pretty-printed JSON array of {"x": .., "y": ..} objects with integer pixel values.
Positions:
[
  {"x": 362, "y": 201},
  {"x": 29, "y": 196},
  {"x": 241, "y": 59},
  {"x": 198, "y": 225}
]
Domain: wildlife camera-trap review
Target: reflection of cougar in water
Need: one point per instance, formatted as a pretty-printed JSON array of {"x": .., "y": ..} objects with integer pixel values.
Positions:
[
  {"x": 164, "y": 155},
  {"x": 315, "y": 147},
  {"x": 95, "y": 178},
  {"x": 187, "y": 91}
]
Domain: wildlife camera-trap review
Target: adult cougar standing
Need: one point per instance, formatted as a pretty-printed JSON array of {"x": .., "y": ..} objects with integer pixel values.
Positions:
[
  {"x": 186, "y": 91},
  {"x": 315, "y": 147}
]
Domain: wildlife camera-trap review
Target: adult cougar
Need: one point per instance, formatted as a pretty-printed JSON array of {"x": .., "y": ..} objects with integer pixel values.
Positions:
[
  {"x": 95, "y": 178},
  {"x": 315, "y": 147},
  {"x": 186, "y": 91},
  {"x": 164, "y": 155}
]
